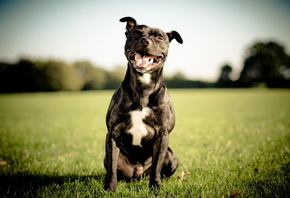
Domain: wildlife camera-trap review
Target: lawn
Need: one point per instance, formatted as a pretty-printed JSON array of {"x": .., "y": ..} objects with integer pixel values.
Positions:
[{"x": 231, "y": 142}]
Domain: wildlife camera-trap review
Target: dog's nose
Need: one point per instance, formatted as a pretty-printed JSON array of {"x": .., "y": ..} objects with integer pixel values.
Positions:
[{"x": 144, "y": 41}]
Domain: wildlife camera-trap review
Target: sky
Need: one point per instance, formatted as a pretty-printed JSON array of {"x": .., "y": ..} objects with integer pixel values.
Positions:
[{"x": 215, "y": 33}]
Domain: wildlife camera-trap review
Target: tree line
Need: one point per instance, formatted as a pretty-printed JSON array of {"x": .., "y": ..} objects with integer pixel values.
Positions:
[
  {"x": 28, "y": 75},
  {"x": 267, "y": 64}
]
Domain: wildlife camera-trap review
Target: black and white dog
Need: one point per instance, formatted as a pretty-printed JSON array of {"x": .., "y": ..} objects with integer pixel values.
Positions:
[{"x": 141, "y": 116}]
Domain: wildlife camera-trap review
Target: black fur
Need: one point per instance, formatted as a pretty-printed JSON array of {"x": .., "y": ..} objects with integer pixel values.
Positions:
[{"x": 141, "y": 115}]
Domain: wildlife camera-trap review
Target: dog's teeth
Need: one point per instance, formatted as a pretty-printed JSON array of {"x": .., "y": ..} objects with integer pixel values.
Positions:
[
  {"x": 138, "y": 56},
  {"x": 151, "y": 60}
]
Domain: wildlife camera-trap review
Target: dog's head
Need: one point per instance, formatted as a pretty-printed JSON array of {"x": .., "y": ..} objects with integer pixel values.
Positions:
[{"x": 146, "y": 48}]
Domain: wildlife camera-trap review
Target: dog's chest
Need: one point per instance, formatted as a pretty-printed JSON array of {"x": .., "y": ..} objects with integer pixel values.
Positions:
[
  {"x": 139, "y": 129},
  {"x": 145, "y": 78}
]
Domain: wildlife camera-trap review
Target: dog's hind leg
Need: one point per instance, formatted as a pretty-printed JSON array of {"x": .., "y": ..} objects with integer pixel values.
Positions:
[
  {"x": 170, "y": 163},
  {"x": 125, "y": 169}
]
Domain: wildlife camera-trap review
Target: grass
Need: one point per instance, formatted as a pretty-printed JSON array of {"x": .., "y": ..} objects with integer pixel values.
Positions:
[{"x": 233, "y": 142}]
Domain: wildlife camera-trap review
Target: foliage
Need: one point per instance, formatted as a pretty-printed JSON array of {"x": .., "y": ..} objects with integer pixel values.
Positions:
[
  {"x": 93, "y": 77},
  {"x": 115, "y": 77},
  {"x": 51, "y": 75},
  {"x": 30, "y": 76},
  {"x": 224, "y": 79},
  {"x": 179, "y": 80},
  {"x": 267, "y": 63},
  {"x": 264, "y": 64},
  {"x": 233, "y": 142}
]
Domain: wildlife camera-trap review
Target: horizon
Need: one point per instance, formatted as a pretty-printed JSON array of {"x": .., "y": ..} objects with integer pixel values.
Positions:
[{"x": 214, "y": 33}]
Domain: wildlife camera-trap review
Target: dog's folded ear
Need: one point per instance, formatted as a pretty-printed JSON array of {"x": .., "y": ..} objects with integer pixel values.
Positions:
[
  {"x": 131, "y": 23},
  {"x": 174, "y": 35}
]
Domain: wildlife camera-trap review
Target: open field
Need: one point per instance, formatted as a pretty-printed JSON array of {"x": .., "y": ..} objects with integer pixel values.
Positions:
[{"x": 234, "y": 142}]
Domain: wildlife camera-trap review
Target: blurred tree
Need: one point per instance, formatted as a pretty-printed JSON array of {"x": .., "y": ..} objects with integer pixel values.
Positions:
[
  {"x": 93, "y": 77},
  {"x": 59, "y": 76},
  {"x": 5, "y": 74},
  {"x": 266, "y": 63},
  {"x": 30, "y": 76},
  {"x": 178, "y": 76},
  {"x": 224, "y": 80},
  {"x": 18, "y": 77},
  {"x": 115, "y": 77},
  {"x": 179, "y": 80}
]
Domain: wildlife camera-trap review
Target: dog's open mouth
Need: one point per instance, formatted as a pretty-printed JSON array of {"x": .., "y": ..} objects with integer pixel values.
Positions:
[{"x": 144, "y": 60}]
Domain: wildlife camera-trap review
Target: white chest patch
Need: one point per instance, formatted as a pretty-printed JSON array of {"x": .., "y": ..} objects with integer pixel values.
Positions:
[
  {"x": 145, "y": 78},
  {"x": 138, "y": 129}
]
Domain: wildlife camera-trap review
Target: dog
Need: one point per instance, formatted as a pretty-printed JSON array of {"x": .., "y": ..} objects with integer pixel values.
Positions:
[{"x": 141, "y": 115}]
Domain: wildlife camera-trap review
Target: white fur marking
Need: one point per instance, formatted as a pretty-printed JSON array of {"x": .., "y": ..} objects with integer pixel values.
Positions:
[
  {"x": 145, "y": 78},
  {"x": 138, "y": 130}
]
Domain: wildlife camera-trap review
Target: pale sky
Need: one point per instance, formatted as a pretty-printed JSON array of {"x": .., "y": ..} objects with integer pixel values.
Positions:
[{"x": 215, "y": 33}]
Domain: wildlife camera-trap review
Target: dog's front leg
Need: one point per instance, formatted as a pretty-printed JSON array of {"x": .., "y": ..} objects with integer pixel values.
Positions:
[
  {"x": 159, "y": 152},
  {"x": 112, "y": 155}
]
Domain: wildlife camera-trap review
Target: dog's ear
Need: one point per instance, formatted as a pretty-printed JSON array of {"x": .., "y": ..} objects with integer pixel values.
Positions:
[
  {"x": 131, "y": 23},
  {"x": 174, "y": 35}
]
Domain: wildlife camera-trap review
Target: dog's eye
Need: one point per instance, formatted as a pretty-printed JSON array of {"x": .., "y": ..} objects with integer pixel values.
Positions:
[
  {"x": 136, "y": 35},
  {"x": 160, "y": 37}
]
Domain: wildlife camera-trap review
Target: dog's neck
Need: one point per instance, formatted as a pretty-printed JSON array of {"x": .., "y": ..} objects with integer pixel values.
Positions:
[{"x": 142, "y": 85}]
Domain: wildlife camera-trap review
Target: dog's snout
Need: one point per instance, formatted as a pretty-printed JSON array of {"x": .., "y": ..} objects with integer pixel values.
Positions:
[{"x": 144, "y": 41}]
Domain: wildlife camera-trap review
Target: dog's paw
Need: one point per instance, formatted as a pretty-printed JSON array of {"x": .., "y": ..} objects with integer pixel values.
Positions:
[
  {"x": 155, "y": 186},
  {"x": 110, "y": 187}
]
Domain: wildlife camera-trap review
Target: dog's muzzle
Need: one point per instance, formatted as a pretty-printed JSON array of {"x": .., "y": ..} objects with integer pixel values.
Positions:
[{"x": 143, "y": 60}]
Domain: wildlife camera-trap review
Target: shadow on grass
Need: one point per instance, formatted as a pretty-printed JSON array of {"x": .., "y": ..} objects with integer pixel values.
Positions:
[
  {"x": 28, "y": 184},
  {"x": 268, "y": 189},
  {"x": 275, "y": 183}
]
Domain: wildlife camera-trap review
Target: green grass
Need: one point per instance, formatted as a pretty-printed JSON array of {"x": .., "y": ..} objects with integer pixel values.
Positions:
[{"x": 52, "y": 145}]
